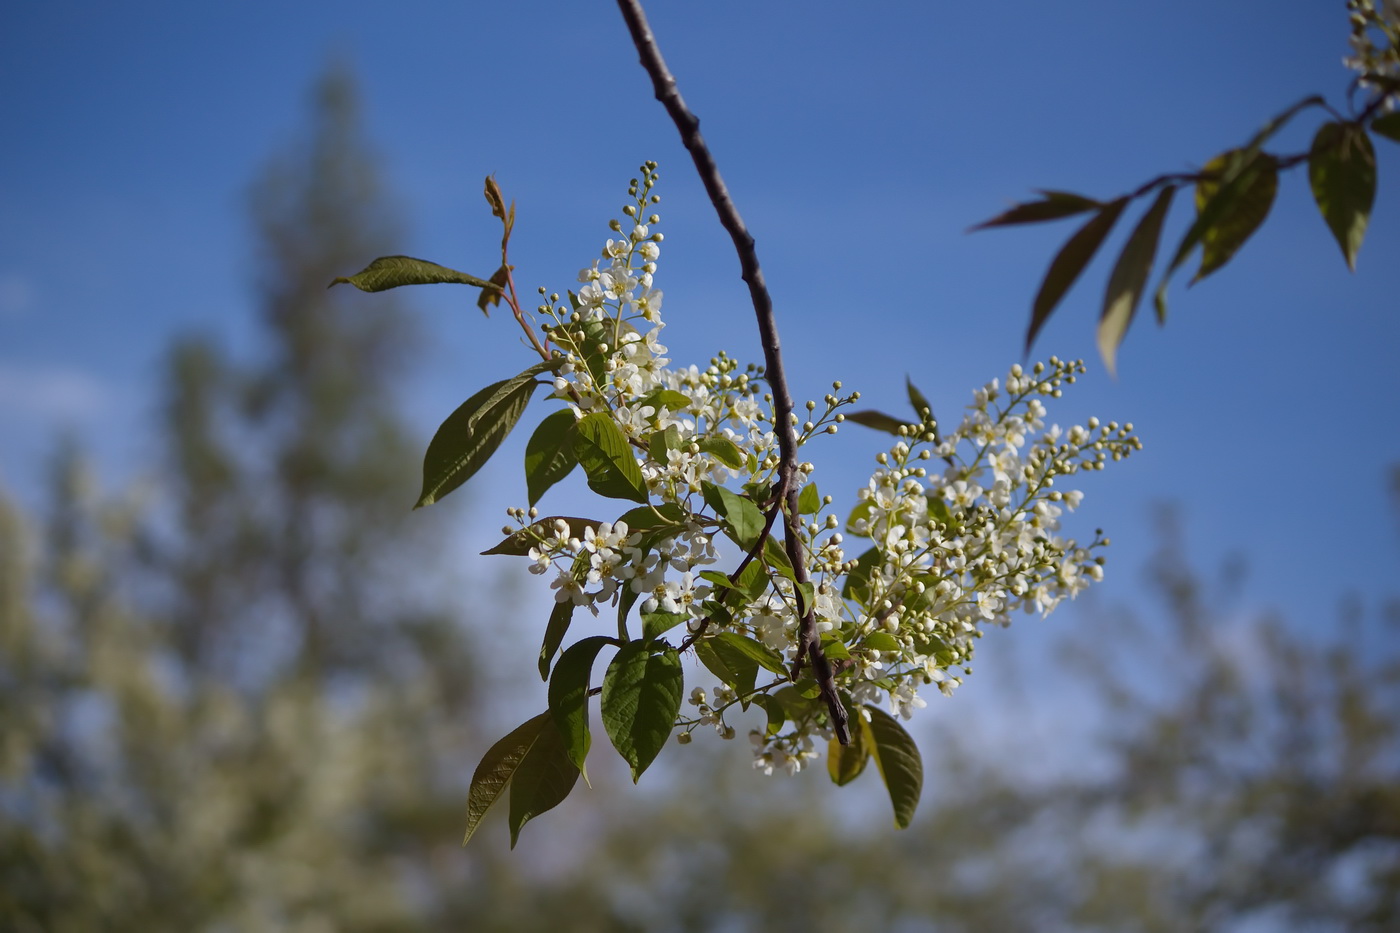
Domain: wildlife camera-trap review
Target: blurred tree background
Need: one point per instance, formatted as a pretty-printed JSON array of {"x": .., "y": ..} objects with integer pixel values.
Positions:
[{"x": 235, "y": 698}]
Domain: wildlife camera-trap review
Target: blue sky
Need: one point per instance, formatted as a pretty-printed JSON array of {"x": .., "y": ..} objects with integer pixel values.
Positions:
[{"x": 860, "y": 143}]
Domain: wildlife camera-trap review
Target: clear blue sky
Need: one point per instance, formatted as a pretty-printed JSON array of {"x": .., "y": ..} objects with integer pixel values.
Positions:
[{"x": 860, "y": 142}]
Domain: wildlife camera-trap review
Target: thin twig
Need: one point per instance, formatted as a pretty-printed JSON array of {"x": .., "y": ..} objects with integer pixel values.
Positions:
[{"x": 688, "y": 124}]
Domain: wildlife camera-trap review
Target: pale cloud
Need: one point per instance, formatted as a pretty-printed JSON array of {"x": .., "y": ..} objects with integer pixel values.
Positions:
[
  {"x": 50, "y": 392},
  {"x": 16, "y": 295}
]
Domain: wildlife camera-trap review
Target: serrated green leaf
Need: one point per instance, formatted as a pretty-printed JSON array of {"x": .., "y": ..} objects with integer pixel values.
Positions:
[
  {"x": 724, "y": 450},
  {"x": 877, "y": 420},
  {"x": 388, "y": 272},
  {"x": 731, "y": 665},
  {"x": 602, "y": 449},
  {"x": 519, "y": 543},
  {"x": 1388, "y": 125},
  {"x": 1257, "y": 187},
  {"x": 472, "y": 433},
  {"x": 641, "y": 697},
  {"x": 568, "y": 695},
  {"x": 549, "y": 456},
  {"x": 759, "y": 652},
  {"x": 743, "y": 521},
  {"x": 1054, "y": 205},
  {"x": 558, "y": 626},
  {"x": 897, "y": 757},
  {"x": 496, "y": 769},
  {"x": 656, "y": 624},
  {"x": 1129, "y": 278},
  {"x": 1068, "y": 263},
  {"x": 844, "y": 763},
  {"x": 1342, "y": 172},
  {"x": 809, "y": 501},
  {"x": 543, "y": 778}
]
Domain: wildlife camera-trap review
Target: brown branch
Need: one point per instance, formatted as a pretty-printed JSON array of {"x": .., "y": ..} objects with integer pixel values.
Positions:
[{"x": 688, "y": 124}]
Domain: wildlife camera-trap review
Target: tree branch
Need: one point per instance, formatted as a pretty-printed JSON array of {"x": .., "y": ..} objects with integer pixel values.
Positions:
[{"x": 688, "y": 124}]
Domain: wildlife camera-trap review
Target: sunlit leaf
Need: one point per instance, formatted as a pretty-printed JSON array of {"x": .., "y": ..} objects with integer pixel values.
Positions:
[
  {"x": 1053, "y": 205},
  {"x": 1129, "y": 278},
  {"x": 388, "y": 272},
  {"x": 641, "y": 697},
  {"x": 473, "y": 432},
  {"x": 844, "y": 763},
  {"x": 898, "y": 759},
  {"x": 724, "y": 450},
  {"x": 1342, "y": 172},
  {"x": 602, "y": 449},
  {"x": 549, "y": 456},
  {"x": 1068, "y": 263},
  {"x": 809, "y": 501},
  {"x": 765, "y": 656},
  {"x": 656, "y": 624},
  {"x": 568, "y": 695},
  {"x": 543, "y": 778},
  {"x": 1254, "y": 197}
]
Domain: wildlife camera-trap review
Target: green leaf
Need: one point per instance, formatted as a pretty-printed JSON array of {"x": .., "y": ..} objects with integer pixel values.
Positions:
[
  {"x": 1129, "y": 278},
  {"x": 834, "y": 648},
  {"x": 774, "y": 708},
  {"x": 857, "y": 585},
  {"x": 730, "y": 664},
  {"x": 1257, "y": 187},
  {"x": 471, "y": 434},
  {"x": 662, "y": 442},
  {"x": 882, "y": 641},
  {"x": 809, "y": 501},
  {"x": 549, "y": 456},
  {"x": 496, "y": 769},
  {"x": 648, "y": 517},
  {"x": 877, "y": 420},
  {"x": 519, "y": 543},
  {"x": 1342, "y": 171},
  {"x": 846, "y": 762},
  {"x": 602, "y": 449},
  {"x": 1068, "y": 263},
  {"x": 568, "y": 695},
  {"x": 724, "y": 450},
  {"x": 656, "y": 624},
  {"x": 756, "y": 650},
  {"x": 670, "y": 399},
  {"x": 776, "y": 557},
  {"x": 388, "y": 272},
  {"x": 1388, "y": 126},
  {"x": 640, "y": 700},
  {"x": 742, "y": 519},
  {"x": 559, "y": 618},
  {"x": 897, "y": 757},
  {"x": 543, "y": 778},
  {"x": 1053, "y": 205}
]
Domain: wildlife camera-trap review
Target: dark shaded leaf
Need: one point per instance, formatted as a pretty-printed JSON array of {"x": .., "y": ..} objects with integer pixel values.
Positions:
[
  {"x": 656, "y": 624},
  {"x": 1388, "y": 126},
  {"x": 568, "y": 695},
  {"x": 388, "y": 272},
  {"x": 765, "y": 656},
  {"x": 543, "y": 778},
  {"x": 497, "y": 767},
  {"x": 602, "y": 449},
  {"x": 897, "y": 757},
  {"x": 1129, "y": 278},
  {"x": 473, "y": 432},
  {"x": 1257, "y": 187},
  {"x": 1053, "y": 205},
  {"x": 1068, "y": 263},
  {"x": 549, "y": 456},
  {"x": 490, "y": 297},
  {"x": 877, "y": 420},
  {"x": 641, "y": 697},
  {"x": 1342, "y": 172},
  {"x": 519, "y": 543},
  {"x": 727, "y": 662},
  {"x": 559, "y": 618}
]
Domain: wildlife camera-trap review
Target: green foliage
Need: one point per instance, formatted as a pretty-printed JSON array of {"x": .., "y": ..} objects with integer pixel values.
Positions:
[
  {"x": 602, "y": 449},
  {"x": 549, "y": 456},
  {"x": 388, "y": 272},
  {"x": 1129, "y": 278},
  {"x": 1342, "y": 172},
  {"x": 898, "y": 759},
  {"x": 641, "y": 696}
]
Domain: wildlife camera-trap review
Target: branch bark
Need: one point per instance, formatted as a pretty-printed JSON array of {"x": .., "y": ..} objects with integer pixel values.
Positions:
[{"x": 688, "y": 124}]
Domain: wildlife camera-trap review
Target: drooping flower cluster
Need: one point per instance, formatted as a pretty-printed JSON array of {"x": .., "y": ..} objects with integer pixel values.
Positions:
[
  {"x": 957, "y": 529},
  {"x": 1375, "y": 41}
]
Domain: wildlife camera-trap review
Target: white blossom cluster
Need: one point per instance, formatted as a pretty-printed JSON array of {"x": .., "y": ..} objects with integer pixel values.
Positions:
[
  {"x": 956, "y": 529},
  {"x": 1375, "y": 39}
]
